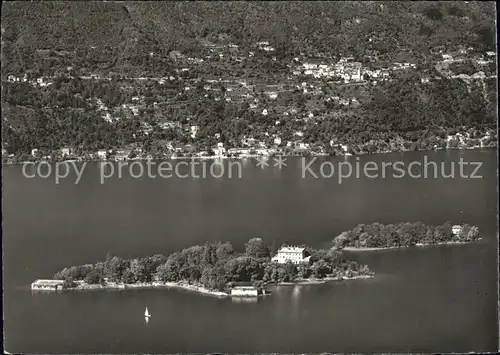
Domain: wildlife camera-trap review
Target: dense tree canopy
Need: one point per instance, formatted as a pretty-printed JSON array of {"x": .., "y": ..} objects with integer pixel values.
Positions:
[
  {"x": 377, "y": 235},
  {"x": 214, "y": 266}
]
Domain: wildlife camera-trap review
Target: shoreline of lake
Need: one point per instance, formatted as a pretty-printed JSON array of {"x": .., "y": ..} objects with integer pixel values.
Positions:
[
  {"x": 156, "y": 284},
  {"x": 418, "y": 245},
  {"x": 83, "y": 286},
  {"x": 315, "y": 281},
  {"x": 241, "y": 157}
]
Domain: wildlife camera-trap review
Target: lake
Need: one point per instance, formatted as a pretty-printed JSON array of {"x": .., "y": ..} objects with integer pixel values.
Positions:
[{"x": 433, "y": 299}]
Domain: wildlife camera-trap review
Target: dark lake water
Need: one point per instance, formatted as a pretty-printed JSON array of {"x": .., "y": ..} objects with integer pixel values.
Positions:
[{"x": 436, "y": 299}]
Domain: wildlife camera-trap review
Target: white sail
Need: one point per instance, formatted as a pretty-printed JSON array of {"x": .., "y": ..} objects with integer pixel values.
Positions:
[{"x": 146, "y": 313}]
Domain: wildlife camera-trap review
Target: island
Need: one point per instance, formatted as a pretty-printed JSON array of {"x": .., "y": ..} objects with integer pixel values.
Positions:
[
  {"x": 379, "y": 236},
  {"x": 212, "y": 268}
]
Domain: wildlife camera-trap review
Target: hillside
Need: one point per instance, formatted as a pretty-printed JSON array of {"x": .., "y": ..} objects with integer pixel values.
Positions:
[{"x": 283, "y": 74}]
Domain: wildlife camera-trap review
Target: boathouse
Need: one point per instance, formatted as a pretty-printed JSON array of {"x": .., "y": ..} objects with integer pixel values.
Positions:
[
  {"x": 244, "y": 291},
  {"x": 47, "y": 285}
]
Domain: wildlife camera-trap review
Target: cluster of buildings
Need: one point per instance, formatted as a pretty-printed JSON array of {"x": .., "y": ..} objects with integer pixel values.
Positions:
[
  {"x": 348, "y": 70},
  {"x": 461, "y": 56},
  {"x": 265, "y": 46},
  {"x": 118, "y": 155},
  {"x": 14, "y": 79},
  {"x": 272, "y": 144},
  {"x": 36, "y": 82},
  {"x": 462, "y": 140},
  {"x": 64, "y": 152},
  {"x": 462, "y": 53},
  {"x": 344, "y": 101}
]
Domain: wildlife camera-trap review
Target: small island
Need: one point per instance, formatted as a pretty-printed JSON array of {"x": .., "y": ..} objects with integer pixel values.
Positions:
[
  {"x": 212, "y": 268},
  {"x": 390, "y": 236}
]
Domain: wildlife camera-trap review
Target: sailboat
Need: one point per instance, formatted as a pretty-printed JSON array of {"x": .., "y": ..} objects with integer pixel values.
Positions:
[{"x": 146, "y": 314}]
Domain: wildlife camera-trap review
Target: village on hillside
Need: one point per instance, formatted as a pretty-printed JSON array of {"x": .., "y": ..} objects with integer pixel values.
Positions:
[{"x": 223, "y": 98}]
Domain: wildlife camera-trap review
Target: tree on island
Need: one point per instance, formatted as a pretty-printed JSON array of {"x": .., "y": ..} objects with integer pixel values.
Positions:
[
  {"x": 138, "y": 270},
  {"x": 114, "y": 267},
  {"x": 303, "y": 271},
  {"x": 68, "y": 282},
  {"x": 320, "y": 269},
  {"x": 93, "y": 278},
  {"x": 469, "y": 233},
  {"x": 224, "y": 250},
  {"x": 257, "y": 248}
]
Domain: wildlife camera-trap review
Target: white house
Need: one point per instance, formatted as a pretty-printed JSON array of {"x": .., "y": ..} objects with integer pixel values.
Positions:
[
  {"x": 249, "y": 142},
  {"x": 264, "y": 45},
  {"x": 121, "y": 155},
  {"x": 447, "y": 57},
  {"x": 102, "y": 154},
  {"x": 293, "y": 254},
  {"x": 272, "y": 95},
  {"x": 456, "y": 229},
  {"x": 219, "y": 150},
  {"x": 41, "y": 82},
  {"x": 65, "y": 152},
  {"x": 194, "y": 131}
]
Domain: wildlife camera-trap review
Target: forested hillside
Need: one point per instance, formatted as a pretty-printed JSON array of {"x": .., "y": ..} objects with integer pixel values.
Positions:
[
  {"x": 130, "y": 75},
  {"x": 329, "y": 27}
]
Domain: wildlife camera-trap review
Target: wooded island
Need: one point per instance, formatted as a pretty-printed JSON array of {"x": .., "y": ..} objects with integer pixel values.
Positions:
[
  {"x": 215, "y": 266},
  {"x": 378, "y": 236}
]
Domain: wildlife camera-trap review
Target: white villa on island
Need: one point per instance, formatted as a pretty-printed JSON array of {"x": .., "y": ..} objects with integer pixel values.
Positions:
[
  {"x": 456, "y": 229},
  {"x": 293, "y": 254}
]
